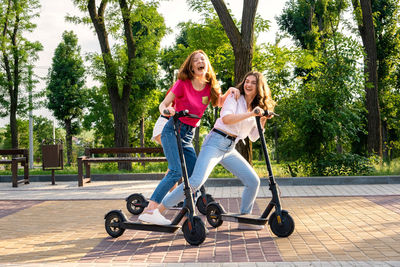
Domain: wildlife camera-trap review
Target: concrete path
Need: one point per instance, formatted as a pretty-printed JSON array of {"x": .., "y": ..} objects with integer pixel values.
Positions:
[{"x": 63, "y": 225}]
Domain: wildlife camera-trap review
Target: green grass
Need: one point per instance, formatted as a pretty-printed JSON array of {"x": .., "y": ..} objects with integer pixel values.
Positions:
[
  {"x": 160, "y": 167},
  {"x": 388, "y": 168},
  {"x": 154, "y": 167}
]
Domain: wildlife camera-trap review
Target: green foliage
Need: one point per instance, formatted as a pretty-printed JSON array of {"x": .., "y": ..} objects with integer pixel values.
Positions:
[
  {"x": 17, "y": 55},
  {"x": 99, "y": 117},
  {"x": 66, "y": 81},
  {"x": 321, "y": 114},
  {"x": 387, "y": 33},
  {"x": 148, "y": 29},
  {"x": 310, "y": 23},
  {"x": 332, "y": 164}
]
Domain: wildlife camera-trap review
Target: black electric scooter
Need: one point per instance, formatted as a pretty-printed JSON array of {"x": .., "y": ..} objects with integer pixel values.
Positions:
[
  {"x": 136, "y": 203},
  {"x": 281, "y": 223},
  {"x": 193, "y": 228}
]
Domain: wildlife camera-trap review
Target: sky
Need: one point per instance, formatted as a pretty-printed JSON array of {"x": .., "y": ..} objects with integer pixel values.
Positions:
[{"x": 51, "y": 24}]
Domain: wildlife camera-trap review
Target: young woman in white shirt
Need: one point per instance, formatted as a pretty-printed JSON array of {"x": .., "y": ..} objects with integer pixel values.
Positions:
[{"x": 236, "y": 122}]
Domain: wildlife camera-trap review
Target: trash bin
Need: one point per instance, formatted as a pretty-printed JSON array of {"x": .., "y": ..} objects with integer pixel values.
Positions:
[{"x": 52, "y": 156}]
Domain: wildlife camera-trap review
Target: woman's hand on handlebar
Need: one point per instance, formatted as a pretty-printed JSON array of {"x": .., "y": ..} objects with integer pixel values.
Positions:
[
  {"x": 261, "y": 113},
  {"x": 169, "y": 111},
  {"x": 257, "y": 111}
]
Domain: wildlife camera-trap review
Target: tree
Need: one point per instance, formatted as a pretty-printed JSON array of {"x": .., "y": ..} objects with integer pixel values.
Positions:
[
  {"x": 365, "y": 22},
  {"x": 148, "y": 29},
  {"x": 65, "y": 88},
  {"x": 119, "y": 89},
  {"x": 387, "y": 33},
  {"x": 16, "y": 54},
  {"x": 116, "y": 18}
]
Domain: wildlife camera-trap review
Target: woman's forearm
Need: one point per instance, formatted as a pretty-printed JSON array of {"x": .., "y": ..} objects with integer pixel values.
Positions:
[
  {"x": 166, "y": 102},
  {"x": 235, "y": 118}
]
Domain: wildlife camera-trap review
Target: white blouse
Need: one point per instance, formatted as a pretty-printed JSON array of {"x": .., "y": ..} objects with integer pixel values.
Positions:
[{"x": 242, "y": 129}]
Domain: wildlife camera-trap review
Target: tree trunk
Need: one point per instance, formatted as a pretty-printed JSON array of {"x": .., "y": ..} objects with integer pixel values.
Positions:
[
  {"x": 12, "y": 72},
  {"x": 385, "y": 148},
  {"x": 367, "y": 32},
  {"x": 242, "y": 43},
  {"x": 119, "y": 103},
  {"x": 68, "y": 139},
  {"x": 142, "y": 137}
]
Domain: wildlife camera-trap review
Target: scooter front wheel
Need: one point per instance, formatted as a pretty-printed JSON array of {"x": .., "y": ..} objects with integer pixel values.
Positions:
[
  {"x": 194, "y": 233},
  {"x": 286, "y": 227},
  {"x": 202, "y": 203},
  {"x": 214, "y": 211},
  {"x": 113, "y": 224},
  {"x": 136, "y": 203}
]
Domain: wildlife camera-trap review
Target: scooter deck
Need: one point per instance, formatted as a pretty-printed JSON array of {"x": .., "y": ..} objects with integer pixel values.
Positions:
[
  {"x": 150, "y": 227},
  {"x": 240, "y": 218}
]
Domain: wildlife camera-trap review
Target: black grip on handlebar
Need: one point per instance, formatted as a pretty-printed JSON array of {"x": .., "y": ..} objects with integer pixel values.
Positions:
[
  {"x": 266, "y": 112},
  {"x": 182, "y": 113}
]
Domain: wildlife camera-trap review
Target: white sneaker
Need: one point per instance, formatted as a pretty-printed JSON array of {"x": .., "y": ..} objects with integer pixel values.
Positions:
[
  {"x": 156, "y": 218},
  {"x": 254, "y": 227}
]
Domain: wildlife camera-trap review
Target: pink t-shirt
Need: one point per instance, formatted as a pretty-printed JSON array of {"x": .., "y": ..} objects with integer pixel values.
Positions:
[{"x": 186, "y": 97}]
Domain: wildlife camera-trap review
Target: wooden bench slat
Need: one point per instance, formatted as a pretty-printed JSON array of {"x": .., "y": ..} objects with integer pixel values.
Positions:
[
  {"x": 90, "y": 157},
  {"x": 123, "y": 150},
  {"x": 127, "y": 159}
]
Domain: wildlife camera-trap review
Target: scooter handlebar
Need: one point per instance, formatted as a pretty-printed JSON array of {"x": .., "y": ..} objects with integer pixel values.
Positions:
[
  {"x": 182, "y": 113},
  {"x": 266, "y": 113}
]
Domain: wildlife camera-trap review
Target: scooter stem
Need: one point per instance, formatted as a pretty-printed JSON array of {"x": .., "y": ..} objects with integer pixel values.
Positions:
[
  {"x": 187, "y": 190},
  {"x": 275, "y": 201}
]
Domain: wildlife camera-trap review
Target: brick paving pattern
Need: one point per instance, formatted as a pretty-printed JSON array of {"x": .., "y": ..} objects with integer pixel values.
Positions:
[
  {"x": 342, "y": 229},
  {"x": 224, "y": 244},
  {"x": 391, "y": 203},
  {"x": 328, "y": 229},
  {"x": 13, "y": 206}
]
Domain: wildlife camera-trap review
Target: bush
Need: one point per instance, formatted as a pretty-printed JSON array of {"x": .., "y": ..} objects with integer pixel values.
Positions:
[{"x": 332, "y": 164}]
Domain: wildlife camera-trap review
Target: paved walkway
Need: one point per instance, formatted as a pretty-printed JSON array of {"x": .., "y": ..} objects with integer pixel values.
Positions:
[{"x": 63, "y": 225}]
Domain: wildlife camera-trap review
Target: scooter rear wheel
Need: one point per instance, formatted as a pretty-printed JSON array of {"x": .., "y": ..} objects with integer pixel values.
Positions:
[
  {"x": 195, "y": 233},
  {"x": 281, "y": 230},
  {"x": 113, "y": 224},
  {"x": 214, "y": 211},
  {"x": 136, "y": 203},
  {"x": 202, "y": 203}
]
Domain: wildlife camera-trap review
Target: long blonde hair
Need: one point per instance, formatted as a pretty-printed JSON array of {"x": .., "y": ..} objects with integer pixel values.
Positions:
[
  {"x": 263, "y": 98},
  {"x": 185, "y": 72}
]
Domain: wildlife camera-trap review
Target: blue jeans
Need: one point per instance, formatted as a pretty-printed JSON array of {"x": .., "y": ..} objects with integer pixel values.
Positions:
[
  {"x": 170, "y": 147},
  {"x": 218, "y": 149}
]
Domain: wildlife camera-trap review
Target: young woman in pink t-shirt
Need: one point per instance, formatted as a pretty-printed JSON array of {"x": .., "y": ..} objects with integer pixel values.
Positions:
[{"x": 196, "y": 87}]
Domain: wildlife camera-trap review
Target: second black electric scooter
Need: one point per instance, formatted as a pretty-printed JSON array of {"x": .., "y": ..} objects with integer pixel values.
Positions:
[
  {"x": 280, "y": 222},
  {"x": 136, "y": 202},
  {"x": 193, "y": 228}
]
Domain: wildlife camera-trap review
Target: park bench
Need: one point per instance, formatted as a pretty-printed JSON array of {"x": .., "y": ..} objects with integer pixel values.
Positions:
[
  {"x": 16, "y": 156},
  {"x": 90, "y": 153}
]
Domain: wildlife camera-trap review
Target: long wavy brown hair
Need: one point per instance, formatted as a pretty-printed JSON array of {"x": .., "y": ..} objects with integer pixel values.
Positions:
[
  {"x": 185, "y": 72},
  {"x": 263, "y": 99}
]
